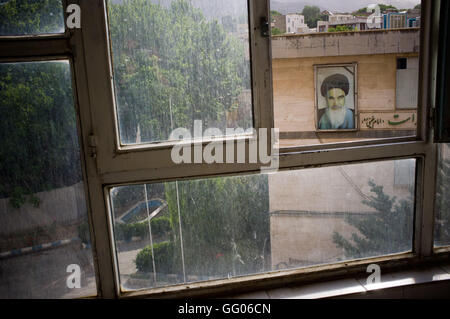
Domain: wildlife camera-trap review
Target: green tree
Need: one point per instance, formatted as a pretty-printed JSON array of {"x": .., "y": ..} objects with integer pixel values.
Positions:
[
  {"x": 340, "y": 28},
  {"x": 225, "y": 224},
  {"x": 24, "y": 17},
  {"x": 386, "y": 231},
  {"x": 312, "y": 15},
  {"x": 276, "y": 31},
  {"x": 274, "y": 13},
  {"x": 38, "y": 130},
  {"x": 38, "y": 124},
  {"x": 173, "y": 58},
  {"x": 229, "y": 24}
]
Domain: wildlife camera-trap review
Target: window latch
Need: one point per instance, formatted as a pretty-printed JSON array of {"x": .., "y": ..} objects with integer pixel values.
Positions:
[
  {"x": 93, "y": 146},
  {"x": 264, "y": 26}
]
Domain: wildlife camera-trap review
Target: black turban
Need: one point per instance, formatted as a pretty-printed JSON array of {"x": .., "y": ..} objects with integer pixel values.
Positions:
[{"x": 335, "y": 81}]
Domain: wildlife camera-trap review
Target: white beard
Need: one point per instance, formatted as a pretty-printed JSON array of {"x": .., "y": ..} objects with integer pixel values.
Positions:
[{"x": 336, "y": 117}]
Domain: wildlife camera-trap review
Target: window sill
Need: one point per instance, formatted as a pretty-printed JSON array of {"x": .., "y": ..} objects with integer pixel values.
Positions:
[{"x": 414, "y": 283}]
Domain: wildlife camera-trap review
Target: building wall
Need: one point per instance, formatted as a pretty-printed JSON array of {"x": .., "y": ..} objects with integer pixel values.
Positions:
[
  {"x": 294, "y": 89},
  {"x": 334, "y": 189},
  {"x": 322, "y": 26},
  {"x": 374, "y": 52},
  {"x": 63, "y": 205},
  {"x": 303, "y": 240},
  {"x": 279, "y": 22},
  {"x": 307, "y": 206},
  {"x": 294, "y": 22},
  {"x": 336, "y": 18}
]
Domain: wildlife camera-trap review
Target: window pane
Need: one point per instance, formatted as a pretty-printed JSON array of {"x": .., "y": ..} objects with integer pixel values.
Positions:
[
  {"x": 342, "y": 77},
  {"x": 234, "y": 226},
  {"x": 43, "y": 217},
  {"x": 442, "y": 223},
  {"x": 179, "y": 61},
  {"x": 27, "y": 17}
]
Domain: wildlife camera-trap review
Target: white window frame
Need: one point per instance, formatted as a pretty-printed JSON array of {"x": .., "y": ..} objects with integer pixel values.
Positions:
[
  {"x": 114, "y": 158},
  {"x": 105, "y": 163}
]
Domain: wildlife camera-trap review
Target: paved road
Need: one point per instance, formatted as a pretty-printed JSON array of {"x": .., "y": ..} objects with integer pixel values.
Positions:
[{"x": 43, "y": 274}]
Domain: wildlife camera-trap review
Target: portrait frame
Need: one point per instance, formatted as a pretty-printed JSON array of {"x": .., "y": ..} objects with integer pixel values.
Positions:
[{"x": 323, "y": 71}]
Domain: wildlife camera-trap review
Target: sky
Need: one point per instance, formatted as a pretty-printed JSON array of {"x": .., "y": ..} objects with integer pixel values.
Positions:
[{"x": 352, "y": 5}]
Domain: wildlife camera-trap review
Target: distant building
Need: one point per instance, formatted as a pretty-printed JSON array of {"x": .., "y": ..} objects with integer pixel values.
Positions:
[
  {"x": 395, "y": 20},
  {"x": 339, "y": 18},
  {"x": 322, "y": 26},
  {"x": 308, "y": 206},
  {"x": 295, "y": 23},
  {"x": 354, "y": 23},
  {"x": 391, "y": 19},
  {"x": 347, "y": 20},
  {"x": 406, "y": 19},
  {"x": 279, "y": 22},
  {"x": 290, "y": 23},
  {"x": 326, "y": 13}
]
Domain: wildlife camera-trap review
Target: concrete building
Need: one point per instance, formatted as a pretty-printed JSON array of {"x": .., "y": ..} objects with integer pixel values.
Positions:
[
  {"x": 308, "y": 206},
  {"x": 340, "y": 18},
  {"x": 295, "y": 23},
  {"x": 322, "y": 26},
  {"x": 395, "y": 20},
  {"x": 391, "y": 19},
  {"x": 406, "y": 19},
  {"x": 279, "y": 22},
  {"x": 380, "y": 56},
  {"x": 356, "y": 23}
]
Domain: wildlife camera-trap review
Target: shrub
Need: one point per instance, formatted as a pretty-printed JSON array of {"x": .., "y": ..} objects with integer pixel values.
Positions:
[
  {"x": 166, "y": 258},
  {"x": 139, "y": 229},
  {"x": 161, "y": 226},
  {"x": 83, "y": 233},
  {"x": 123, "y": 232}
]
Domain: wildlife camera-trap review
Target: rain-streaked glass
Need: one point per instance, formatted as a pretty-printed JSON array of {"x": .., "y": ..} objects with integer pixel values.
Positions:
[
  {"x": 31, "y": 17},
  {"x": 218, "y": 228},
  {"x": 369, "y": 52},
  {"x": 179, "y": 61},
  {"x": 45, "y": 249},
  {"x": 442, "y": 218}
]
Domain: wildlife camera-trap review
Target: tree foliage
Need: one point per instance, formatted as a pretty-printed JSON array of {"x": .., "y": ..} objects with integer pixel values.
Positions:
[
  {"x": 38, "y": 130},
  {"x": 340, "y": 28},
  {"x": 225, "y": 229},
  {"x": 38, "y": 125},
  {"x": 312, "y": 15},
  {"x": 24, "y": 17},
  {"x": 225, "y": 224},
  {"x": 274, "y": 13},
  {"x": 164, "y": 258},
  {"x": 276, "y": 31},
  {"x": 389, "y": 230},
  {"x": 383, "y": 8},
  {"x": 162, "y": 56},
  {"x": 173, "y": 59}
]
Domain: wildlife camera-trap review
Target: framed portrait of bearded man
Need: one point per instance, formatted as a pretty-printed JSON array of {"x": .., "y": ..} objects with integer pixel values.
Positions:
[{"x": 336, "y": 97}]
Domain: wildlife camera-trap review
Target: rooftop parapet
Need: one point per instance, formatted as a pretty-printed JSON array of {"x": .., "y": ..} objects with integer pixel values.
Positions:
[{"x": 323, "y": 44}]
